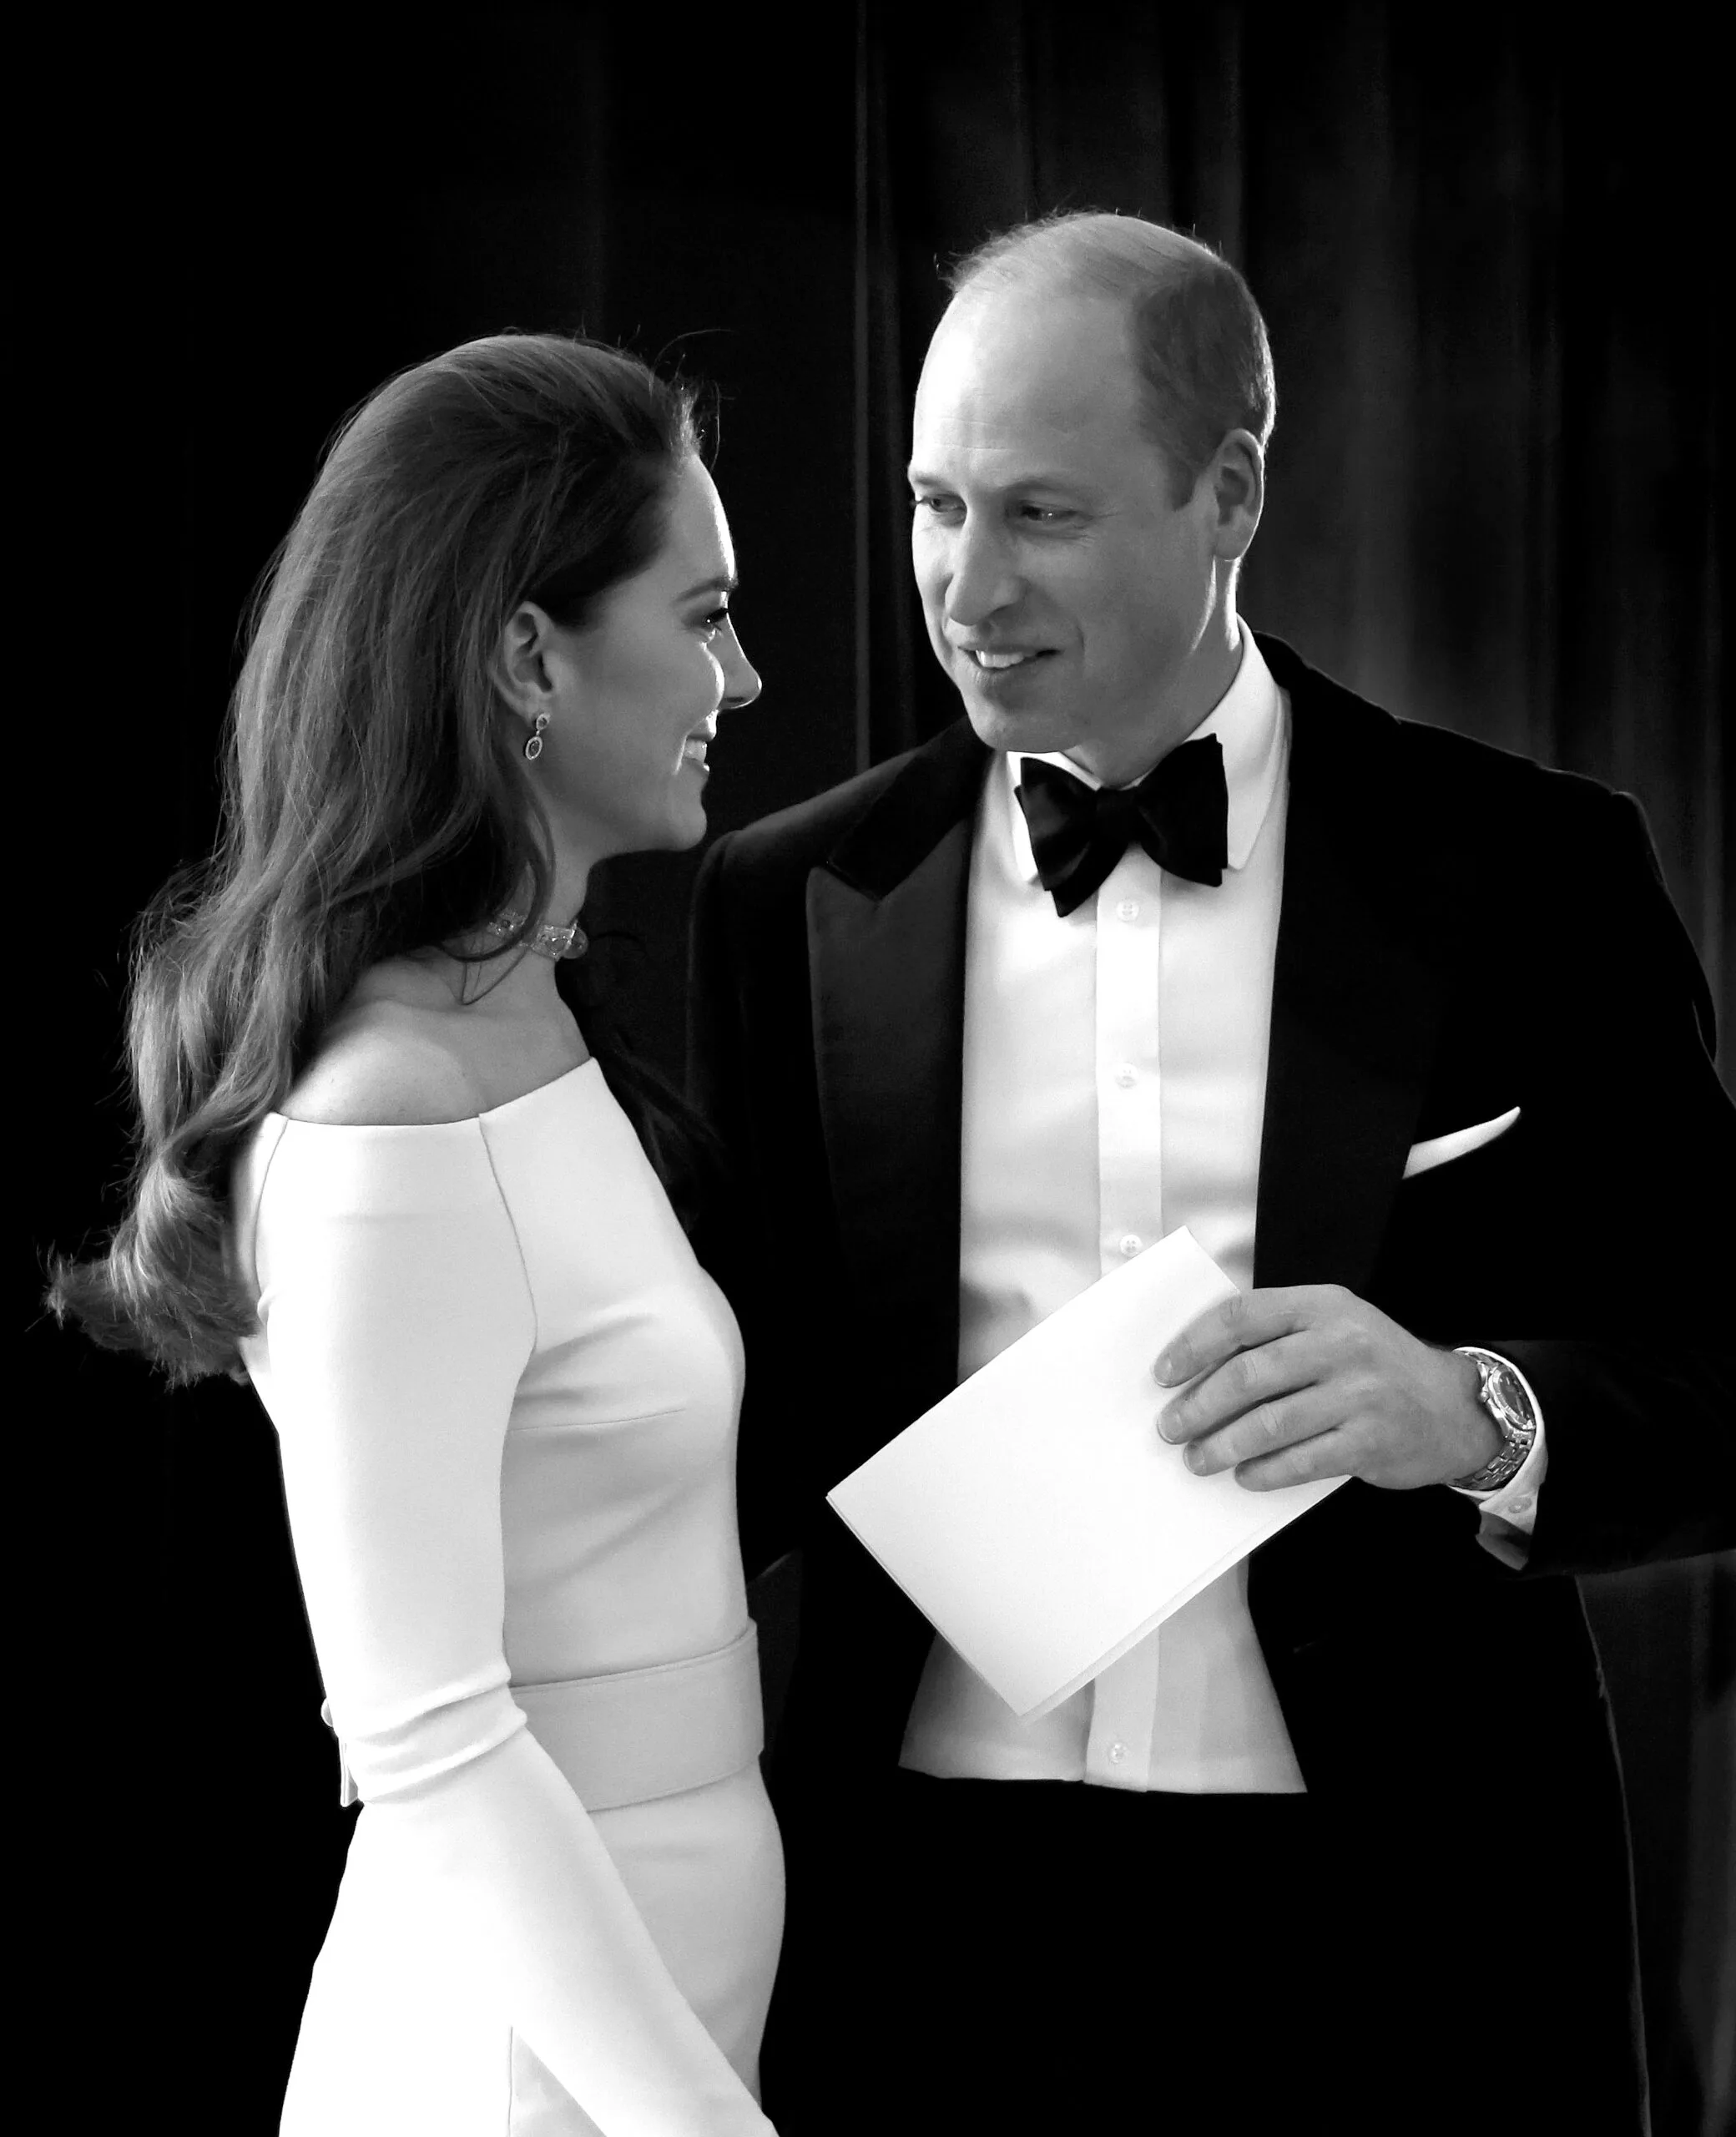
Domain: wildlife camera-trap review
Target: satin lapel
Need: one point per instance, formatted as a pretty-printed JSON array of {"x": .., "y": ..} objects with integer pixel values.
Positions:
[
  {"x": 886, "y": 945},
  {"x": 1357, "y": 997}
]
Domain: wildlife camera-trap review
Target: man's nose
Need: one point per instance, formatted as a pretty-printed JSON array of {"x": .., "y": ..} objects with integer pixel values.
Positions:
[{"x": 983, "y": 579}]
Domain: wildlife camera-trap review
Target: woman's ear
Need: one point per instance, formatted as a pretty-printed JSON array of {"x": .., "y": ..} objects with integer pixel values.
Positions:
[{"x": 521, "y": 664}]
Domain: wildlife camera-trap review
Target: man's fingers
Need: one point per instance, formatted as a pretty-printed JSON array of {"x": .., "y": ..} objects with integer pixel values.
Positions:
[
  {"x": 1260, "y": 1433},
  {"x": 1243, "y": 1383},
  {"x": 1241, "y": 1323},
  {"x": 1306, "y": 1462}
]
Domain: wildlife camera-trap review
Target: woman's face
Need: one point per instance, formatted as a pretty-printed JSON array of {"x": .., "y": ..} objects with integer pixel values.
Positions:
[{"x": 638, "y": 688}]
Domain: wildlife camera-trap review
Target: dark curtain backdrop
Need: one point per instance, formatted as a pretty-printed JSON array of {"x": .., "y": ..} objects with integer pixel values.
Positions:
[{"x": 1484, "y": 243}]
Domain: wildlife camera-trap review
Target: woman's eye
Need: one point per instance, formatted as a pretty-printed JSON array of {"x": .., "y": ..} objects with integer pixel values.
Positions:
[{"x": 717, "y": 619}]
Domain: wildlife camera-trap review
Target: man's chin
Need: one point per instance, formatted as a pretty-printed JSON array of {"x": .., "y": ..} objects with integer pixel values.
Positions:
[{"x": 1031, "y": 733}]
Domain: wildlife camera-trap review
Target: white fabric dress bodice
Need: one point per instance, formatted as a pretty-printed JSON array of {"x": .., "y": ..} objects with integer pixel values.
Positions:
[{"x": 505, "y": 1395}]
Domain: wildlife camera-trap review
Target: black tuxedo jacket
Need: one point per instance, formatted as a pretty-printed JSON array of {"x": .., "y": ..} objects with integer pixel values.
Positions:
[{"x": 1461, "y": 931}]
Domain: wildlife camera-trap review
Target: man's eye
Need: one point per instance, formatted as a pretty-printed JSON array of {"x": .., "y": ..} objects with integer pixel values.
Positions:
[{"x": 938, "y": 506}]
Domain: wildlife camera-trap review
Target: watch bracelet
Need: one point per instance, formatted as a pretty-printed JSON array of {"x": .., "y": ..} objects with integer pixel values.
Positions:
[
  {"x": 1498, "y": 1470},
  {"x": 1513, "y": 1453}
]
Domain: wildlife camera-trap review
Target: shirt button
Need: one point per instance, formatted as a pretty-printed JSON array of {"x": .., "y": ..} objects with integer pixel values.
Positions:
[
  {"x": 1127, "y": 1076},
  {"x": 1129, "y": 909},
  {"x": 1118, "y": 1752},
  {"x": 1131, "y": 1243},
  {"x": 1522, "y": 1504}
]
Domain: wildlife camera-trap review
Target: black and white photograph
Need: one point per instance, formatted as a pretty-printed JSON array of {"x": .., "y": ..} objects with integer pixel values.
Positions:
[{"x": 879, "y": 1274}]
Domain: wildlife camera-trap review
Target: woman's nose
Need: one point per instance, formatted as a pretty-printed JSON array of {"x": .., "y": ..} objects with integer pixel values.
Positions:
[{"x": 741, "y": 679}]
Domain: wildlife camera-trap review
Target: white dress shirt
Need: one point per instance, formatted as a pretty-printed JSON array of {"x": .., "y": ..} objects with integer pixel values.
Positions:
[{"x": 1114, "y": 1086}]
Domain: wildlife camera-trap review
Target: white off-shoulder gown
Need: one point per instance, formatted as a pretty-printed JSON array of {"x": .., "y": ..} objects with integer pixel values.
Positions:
[{"x": 507, "y": 1397}]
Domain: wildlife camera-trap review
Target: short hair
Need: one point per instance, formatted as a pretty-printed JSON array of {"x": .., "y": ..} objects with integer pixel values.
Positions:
[{"x": 1200, "y": 342}]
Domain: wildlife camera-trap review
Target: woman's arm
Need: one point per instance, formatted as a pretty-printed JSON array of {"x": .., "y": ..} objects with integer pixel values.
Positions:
[{"x": 396, "y": 1322}]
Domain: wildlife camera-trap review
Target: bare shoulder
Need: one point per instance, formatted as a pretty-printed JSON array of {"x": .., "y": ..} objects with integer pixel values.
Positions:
[{"x": 386, "y": 1064}]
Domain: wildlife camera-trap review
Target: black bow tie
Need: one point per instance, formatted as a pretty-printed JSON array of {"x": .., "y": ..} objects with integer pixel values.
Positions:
[{"x": 1179, "y": 814}]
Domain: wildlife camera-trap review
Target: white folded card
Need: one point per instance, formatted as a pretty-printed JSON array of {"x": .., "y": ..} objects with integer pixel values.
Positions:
[{"x": 1036, "y": 1518}]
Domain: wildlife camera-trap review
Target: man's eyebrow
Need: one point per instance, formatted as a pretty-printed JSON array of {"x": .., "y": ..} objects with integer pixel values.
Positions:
[
  {"x": 719, "y": 582},
  {"x": 1035, "y": 478}
]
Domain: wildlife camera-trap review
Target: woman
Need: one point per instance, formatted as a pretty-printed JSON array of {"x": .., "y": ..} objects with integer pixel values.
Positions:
[{"x": 381, "y": 1174}]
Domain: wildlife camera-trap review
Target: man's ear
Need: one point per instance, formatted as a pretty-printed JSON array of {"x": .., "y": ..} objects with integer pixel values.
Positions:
[
  {"x": 520, "y": 665},
  {"x": 1238, "y": 477}
]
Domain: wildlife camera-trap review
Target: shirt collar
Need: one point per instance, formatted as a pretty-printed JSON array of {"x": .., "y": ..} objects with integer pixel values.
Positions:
[{"x": 1248, "y": 723}]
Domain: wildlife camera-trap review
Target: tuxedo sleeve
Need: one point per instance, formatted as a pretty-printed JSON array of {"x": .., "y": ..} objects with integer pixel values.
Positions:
[
  {"x": 721, "y": 983},
  {"x": 1637, "y": 1377},
  {"x": 715, "y": 1062}
]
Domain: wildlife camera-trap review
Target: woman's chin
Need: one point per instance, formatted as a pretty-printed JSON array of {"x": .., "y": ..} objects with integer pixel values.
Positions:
[
  {"x": 682, "y": 827},
  {"x": 690, "y": 814}
]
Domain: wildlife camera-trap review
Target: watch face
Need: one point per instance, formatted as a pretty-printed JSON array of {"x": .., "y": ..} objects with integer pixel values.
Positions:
[{"x": 1507, "y": 1396}]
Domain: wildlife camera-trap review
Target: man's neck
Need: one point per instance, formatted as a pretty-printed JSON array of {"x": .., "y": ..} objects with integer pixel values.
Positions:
[{"x": 1189, "y": 698}]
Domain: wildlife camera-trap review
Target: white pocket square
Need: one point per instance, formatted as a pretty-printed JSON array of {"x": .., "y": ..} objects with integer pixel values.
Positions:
[{"x": 1442, "y": 1149}]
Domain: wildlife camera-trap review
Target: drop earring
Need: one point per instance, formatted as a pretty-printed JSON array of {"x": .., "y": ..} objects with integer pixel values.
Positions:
[{"x": 533, "y": 743}]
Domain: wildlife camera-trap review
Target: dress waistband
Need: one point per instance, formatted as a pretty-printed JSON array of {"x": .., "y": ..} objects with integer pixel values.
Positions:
[{"x": 632, "y": 1736}]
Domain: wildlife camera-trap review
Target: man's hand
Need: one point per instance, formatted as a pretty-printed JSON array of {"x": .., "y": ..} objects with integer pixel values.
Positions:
[{"x": 1313, "y": 1382}]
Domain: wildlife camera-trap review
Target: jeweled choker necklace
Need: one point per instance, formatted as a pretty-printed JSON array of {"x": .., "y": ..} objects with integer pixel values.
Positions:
[{"x": 547, "y": 940}]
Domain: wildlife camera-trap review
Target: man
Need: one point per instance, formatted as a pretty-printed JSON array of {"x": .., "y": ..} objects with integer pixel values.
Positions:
[{"x": 1172, "y": 930}]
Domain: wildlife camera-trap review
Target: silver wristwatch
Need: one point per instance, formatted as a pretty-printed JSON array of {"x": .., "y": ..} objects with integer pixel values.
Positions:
[{"x": 1503, "y": 1394}]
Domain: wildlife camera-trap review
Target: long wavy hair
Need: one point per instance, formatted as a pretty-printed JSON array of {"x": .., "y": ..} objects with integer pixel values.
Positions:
[{"x": 375, "y": 798}]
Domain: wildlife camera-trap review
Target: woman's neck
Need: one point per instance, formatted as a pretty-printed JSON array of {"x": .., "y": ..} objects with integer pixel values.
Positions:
[{"x": 515, "y": 980}]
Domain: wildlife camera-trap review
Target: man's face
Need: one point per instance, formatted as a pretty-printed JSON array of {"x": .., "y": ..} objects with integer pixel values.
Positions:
[{"x": 1064, "y": 592}]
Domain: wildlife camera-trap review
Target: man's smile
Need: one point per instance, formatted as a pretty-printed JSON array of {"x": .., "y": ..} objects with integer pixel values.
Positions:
[{"x": 1003, "y": 660}]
